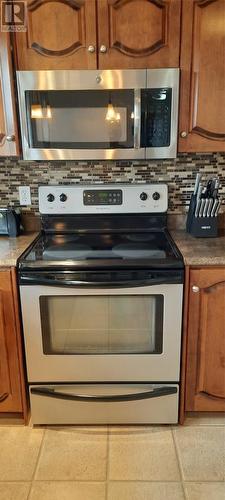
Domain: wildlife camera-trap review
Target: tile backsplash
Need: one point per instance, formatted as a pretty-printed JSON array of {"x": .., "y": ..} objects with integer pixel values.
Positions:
[{"x": 179, "y": 174}]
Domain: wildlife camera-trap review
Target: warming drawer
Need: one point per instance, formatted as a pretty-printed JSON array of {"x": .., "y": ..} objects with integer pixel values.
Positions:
[{"x": 104, "y": 404}]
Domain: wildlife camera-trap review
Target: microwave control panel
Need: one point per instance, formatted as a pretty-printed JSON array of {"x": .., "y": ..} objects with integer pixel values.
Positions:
[{"x": 102, "y": 197}]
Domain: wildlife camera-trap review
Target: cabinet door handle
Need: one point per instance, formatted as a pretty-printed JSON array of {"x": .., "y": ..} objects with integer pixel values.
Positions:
[
  {"x": 195, "y": 289},
  {"x": 103, "y": 49},
  {"x": 91, "y": 49},
  {"x": 184, "y": 134},
  {"x": 10, "y": 138}
]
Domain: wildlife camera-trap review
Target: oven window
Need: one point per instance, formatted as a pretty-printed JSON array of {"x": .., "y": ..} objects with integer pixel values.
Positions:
[
  {"x": 80, "y": 119},
  {"x": 124, "y": 324}
]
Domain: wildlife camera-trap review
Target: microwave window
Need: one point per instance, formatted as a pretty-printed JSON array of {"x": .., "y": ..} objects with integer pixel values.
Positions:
[{"x": 80, "y": 119}]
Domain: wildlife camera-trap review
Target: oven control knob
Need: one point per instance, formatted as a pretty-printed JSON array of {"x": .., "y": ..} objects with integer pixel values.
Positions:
[
  {"x": 143, "y": 196},
  {"x": 50, "y": 197},
  {"x": 156, "y": 196},
  {"x": 63, "y": 197}
]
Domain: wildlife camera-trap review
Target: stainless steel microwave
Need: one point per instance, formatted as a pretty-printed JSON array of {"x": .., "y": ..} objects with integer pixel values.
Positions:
[{"x": 99, "y": 115}]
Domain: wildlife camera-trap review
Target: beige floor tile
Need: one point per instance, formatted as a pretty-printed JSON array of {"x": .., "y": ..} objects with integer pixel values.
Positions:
[
  {"x": 63, "y": 490},
  {"x": 147, "y": 454},
  {"x": 205, "y": 419},
  {"x": 202, "y": 452},
  {"x": 73, "y": 454},
  {"x": 145, "y": 491},
  {"x": 14, "y": 491},
  {"x": 18, "y": 452},
  {"x": 205, "y": 491}
]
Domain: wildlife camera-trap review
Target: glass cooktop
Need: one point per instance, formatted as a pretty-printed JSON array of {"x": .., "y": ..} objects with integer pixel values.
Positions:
[{"x": 101, "y": 249}]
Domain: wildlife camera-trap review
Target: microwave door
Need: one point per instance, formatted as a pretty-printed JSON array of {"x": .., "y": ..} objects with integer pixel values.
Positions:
[{"x": 83, "y": 124}]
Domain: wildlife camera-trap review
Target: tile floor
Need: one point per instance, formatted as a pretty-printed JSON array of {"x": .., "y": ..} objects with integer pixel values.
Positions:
[{"x": 114, "y": 463}]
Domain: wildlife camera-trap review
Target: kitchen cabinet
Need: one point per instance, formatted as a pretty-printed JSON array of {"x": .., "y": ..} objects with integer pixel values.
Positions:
[
  {"x": 9, "y": 145},
  {"x": 12, "y": 385},
  {"x": 61, "y": 34},
  {"x": 105, "y": 34},
  {"x": 138, "y": 33},
  {"x": 202, "y": 91},
  {"x": 205, "y": 356}
]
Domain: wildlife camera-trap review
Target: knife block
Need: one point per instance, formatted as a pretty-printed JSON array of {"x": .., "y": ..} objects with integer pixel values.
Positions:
[{"x": 200, "y": 227}]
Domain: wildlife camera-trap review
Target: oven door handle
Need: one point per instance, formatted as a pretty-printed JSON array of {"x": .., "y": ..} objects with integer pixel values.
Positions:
[
  {"x": 155, "y": 393},
  {"x": 39, "y": 280}
]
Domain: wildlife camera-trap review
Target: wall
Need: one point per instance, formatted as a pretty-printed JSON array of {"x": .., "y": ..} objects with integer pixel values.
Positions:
[{"x": 179, "y": 174}]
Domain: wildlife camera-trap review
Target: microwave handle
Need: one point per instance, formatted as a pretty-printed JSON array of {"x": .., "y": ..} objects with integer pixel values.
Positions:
[
  {"x": 137, "y": 118},
  {"x": 155, "y": 393}
]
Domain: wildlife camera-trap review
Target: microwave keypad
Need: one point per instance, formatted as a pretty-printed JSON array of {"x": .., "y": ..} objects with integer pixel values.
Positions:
[
  {"x": 156, "y": 118},
  {"x": 102, "y": 197}
]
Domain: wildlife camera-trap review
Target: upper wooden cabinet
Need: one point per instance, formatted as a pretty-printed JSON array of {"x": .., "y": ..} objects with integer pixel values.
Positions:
[
  {"x": 87, "y": 34},
  {"x": 205, "y": 379},
  {"x": 138, "y": 33},
  {"x": 61, "y": 34},
  {"x": 202, "y": 103},
  {"x": 8, "y": 126}
]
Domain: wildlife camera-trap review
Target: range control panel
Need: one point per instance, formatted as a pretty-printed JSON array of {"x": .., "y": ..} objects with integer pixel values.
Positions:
[{"x": 103, "y": 199}]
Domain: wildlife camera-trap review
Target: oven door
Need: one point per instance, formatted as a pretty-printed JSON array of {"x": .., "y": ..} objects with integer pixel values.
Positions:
[
  {"x": 97, "y": 334},
  {"x": 81, "y": 114}
]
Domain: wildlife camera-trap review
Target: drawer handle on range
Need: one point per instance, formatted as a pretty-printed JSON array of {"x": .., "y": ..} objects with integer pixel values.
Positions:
[{"x": 155, "y": 393}]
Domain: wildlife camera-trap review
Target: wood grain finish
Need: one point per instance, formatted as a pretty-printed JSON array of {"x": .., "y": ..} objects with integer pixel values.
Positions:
[
  {"x": 8, "y": 121},
  {"x": 9, "y": 362},
  {"x": 202, "y": 96},
  {"x": 205, "y": 380},
  {"x": 139, "y": 33},
  {"x": 58, "y": 35}
]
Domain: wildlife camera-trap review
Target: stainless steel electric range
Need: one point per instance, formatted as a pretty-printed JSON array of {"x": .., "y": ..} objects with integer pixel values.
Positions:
[{"x": 101, "y": 294}]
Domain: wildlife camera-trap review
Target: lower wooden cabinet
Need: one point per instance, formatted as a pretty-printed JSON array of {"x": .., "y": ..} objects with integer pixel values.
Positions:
[
  {"x": 205, "y": 361},
  {"x": 12, "y": 384}
]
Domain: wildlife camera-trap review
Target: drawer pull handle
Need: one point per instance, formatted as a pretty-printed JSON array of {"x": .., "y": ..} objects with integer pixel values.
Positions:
[{"x": 155, "y": 393}]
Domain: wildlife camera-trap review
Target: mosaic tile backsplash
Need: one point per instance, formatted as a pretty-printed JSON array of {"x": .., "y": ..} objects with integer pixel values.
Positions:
[{"x": 179, "y": 174}]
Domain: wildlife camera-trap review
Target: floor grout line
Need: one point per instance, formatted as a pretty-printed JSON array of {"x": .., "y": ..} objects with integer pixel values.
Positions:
[
  {"x": 35, "y": 468},
  {"x": 107, "y": 466},
  {"x": 177, "y": 455}
]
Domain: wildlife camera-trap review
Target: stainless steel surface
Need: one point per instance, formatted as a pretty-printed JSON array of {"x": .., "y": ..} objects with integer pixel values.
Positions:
[
  {"x": 214, "y": 207},
  {"x": 137, "y": 119},
  {"x": 168, "y": 77},
  {"x": 205, "y": 207},
  {"x": 160, "y": 410},
  {"x": 7, "y": 147},
  {"x": 202, "y": 204},
  {"x": 91, "y": 49},
  {"x": 197, "y": 181},
  {"x": 103, "y": 49},
  {"x": 197, "y": 208},
  {"x": 210, "y": 207},
  {"x": 217, "y": 208},
  {"x": 195, "y": 289},
  {"x": 183, "y": 134},
  {"x": 105, "y": 79},
  {"x": 143, "y": 367},
  {"x": 132, "y": 202}
]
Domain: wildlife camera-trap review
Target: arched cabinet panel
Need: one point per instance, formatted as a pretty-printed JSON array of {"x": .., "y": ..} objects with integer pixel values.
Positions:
[
  {"x": 205, "y": 390},
  {"x": 59, "y": 33},
  {"x": 138, "y": 33},
  {"x": 202, "y": 111}
]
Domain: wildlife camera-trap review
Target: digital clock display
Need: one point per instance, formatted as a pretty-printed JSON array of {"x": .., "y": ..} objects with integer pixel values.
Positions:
[{"x": 102, "y": 197}]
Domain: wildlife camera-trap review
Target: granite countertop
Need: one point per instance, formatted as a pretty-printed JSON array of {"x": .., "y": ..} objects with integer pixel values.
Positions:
[
  {"x": 200, "y": 251},
  {"x": 12, "y": 248}
]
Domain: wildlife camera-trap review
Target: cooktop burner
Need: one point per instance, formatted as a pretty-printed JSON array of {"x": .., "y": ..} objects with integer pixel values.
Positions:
[{"x": 101, "y": 249}]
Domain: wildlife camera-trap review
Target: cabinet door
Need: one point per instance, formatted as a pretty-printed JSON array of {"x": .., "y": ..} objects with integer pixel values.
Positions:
[
  {"x": 202, "y": 92},
  {"x": 10, "y": 385},
  {"x": 8, "y": 127},
  {"x": 138, "y": 33},
  {"x": 205, "y": 382},
  {"x": 61, "y": 34}
]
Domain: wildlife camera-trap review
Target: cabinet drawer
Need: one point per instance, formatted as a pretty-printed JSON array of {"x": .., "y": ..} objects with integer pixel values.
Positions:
[{"x": 104, "y": 404}]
